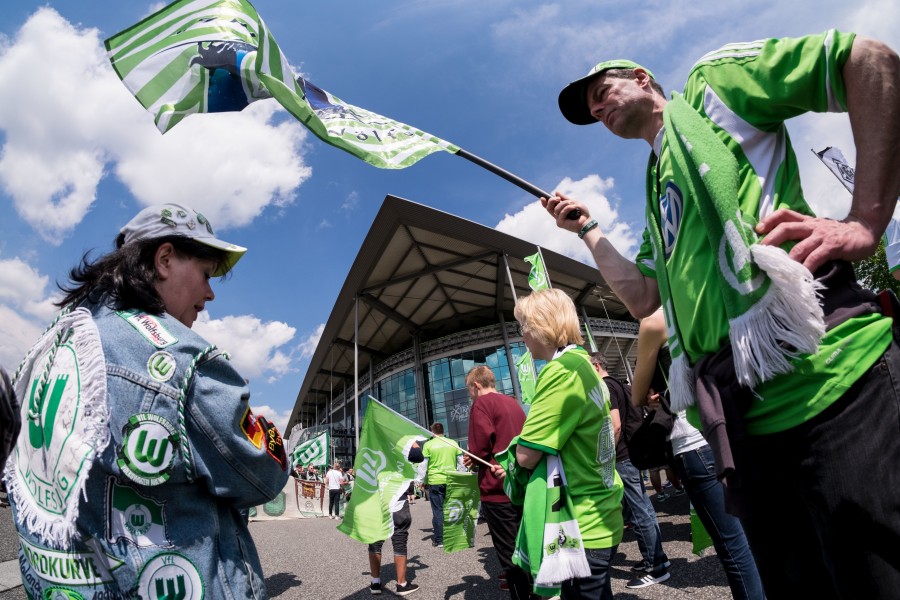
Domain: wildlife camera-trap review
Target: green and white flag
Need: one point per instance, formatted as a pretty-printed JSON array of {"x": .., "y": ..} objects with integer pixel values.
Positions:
[
  {"x": 383, "y": 473},
  {"x": 197, "y": 56},
  {"x": 537, "y": 277},
  {"x": 460, "y": 511},
  {"x": 135, "y": 517},
  {"x": 525, "y": 371},
  {"x": 312, "y": 452}
]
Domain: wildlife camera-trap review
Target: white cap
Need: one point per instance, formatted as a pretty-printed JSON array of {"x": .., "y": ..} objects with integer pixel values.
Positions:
[{"x": 163, "y": 220}]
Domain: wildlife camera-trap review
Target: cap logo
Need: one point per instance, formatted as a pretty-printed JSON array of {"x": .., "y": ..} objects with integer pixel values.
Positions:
[{"x": 203, "y": 221}]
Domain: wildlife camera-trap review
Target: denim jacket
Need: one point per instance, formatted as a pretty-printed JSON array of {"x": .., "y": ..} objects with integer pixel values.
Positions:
[{"x": 158, "y": 517}]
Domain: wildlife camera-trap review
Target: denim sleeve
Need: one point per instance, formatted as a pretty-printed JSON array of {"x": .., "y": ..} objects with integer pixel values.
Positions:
[{"x": 230, "y": 450}]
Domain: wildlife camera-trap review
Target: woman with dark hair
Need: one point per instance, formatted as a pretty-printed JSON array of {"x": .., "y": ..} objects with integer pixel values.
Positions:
[{"x": 138, "y": 448}]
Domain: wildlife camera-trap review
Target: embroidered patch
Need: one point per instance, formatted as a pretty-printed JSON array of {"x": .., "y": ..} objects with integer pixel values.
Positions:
[
  {"x": 170, "y": 576},
  {"x": 161, "y": 366},
  {"x": 70, "y": 568},
  {"x": 274, "y": 443},
  {"x": 148, "y": 449},
  {"x": 670, "y": 210},
  {"x": 149, "y": 327},
  {"x": 251, "y": 428},
  {"x": 58, "y": 593},
  {"x": 135, "y": 517}
]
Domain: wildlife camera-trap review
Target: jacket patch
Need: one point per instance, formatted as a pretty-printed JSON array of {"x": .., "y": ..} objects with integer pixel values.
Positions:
[
  {"x": 70, "y": 568},
  {"x": 135, "y": 517},
  {"x": 58, "y": 593},
  {"x": 273, "y": 441},
  {"x": 161, "y": 366},
  {"x": 149, "y": 327},
  {"x": 168, "y": 576},
  {"x": 148, "y": 449},
  {"x": 251, "y": 429}
]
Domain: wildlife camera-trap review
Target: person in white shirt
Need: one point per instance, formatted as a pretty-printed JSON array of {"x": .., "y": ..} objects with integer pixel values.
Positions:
[{"x": 334, "y": 479}]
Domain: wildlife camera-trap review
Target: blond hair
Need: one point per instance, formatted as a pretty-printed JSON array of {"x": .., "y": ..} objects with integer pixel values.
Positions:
[
  {"x": 483, "y": 376},
  {"x": 549, "y": 315}
]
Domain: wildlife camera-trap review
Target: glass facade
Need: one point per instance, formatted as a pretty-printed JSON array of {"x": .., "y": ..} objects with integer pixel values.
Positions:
[
  {"x": 445, "y": 382},
  {"x": 398, "y": 391}
]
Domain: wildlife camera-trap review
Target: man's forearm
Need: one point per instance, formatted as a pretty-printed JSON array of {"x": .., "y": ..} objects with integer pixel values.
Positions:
[{"x": 639, "y": 293}]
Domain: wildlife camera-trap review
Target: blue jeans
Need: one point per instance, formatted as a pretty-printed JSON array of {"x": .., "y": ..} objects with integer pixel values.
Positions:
[
  {"x": 596, "y": 587},
  {"x": 436, "y": 495},
  {"x": 697, "y": 471},
  {"x": 824, "y": 509},
  {"x": 643, "y": 515}
]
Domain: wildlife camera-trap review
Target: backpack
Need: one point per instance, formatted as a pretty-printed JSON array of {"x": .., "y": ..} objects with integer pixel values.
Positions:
[{"x": 645, "y": 431}]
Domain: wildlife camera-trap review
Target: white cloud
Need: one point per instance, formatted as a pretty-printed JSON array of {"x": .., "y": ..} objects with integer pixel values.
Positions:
[
  {"x": 252, "y": 344},
  {"x": 68, "y": 128},
  {"x": 534, "y": 224},
  {"x": 308, "y": 345},
  {"x": 25, "y": 309}
]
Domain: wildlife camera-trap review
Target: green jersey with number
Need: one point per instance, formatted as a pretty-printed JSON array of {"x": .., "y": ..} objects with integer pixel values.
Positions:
[
  {"x": 746, "y": 91},
  {"x": 569, "y": 417},
  {"x": 441, "y": 459}
]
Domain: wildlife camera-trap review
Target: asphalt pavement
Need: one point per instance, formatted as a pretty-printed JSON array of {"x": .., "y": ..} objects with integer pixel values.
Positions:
[{"x": 310, "y": 559}]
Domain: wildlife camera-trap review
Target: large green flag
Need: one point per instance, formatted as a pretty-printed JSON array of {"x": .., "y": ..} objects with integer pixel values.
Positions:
[
  {"x": 197, "y": 56},
  {"x": 525, "y": 371},
  {"x": 312, "y": 452},
  {"x": 460, "y": 511},
  {"x": 537, "y": 277},
  {"x": 383, "y": 473}
]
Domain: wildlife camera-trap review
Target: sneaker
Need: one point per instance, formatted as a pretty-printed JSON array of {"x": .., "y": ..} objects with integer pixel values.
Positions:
[
  {"x": 504, "y": 585},
  {"x": 662, "y": 497},
  {"x": 667, "y": 484},
  {"x": 440, "y": 545},
  {"x": 649, "y": 579},
  {"x": 375, "y": 589},
  {"x": 405, "y": 590},
  {"x": 679, "y": 491},
  {"x": 642, "y": 568},
  {"x": 502, "y": 575}
]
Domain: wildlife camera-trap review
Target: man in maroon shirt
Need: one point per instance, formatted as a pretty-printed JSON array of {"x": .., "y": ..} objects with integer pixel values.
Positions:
[{"x": 494, "y": 420}]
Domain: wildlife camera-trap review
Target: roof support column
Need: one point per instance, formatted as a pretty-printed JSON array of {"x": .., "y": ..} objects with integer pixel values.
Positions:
[
  {"x": 517, "y": 391},
  {"x": 356, "y": 367},
  {"x": 419, "y": 373}
]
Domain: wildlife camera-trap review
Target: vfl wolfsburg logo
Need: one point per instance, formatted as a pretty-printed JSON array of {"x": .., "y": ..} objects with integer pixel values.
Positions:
[
  {"x": 134, "y": 517},
  {"x": 148, "y": 449},
  {"x": 170, "y": 576},
  {"x": 372, "y": 463},
  {"x": 57, "y": 593},
  {"x": 161, "y": 366},
  {"x": 454, "y": 511},
  {"x": 670, "y": 209}
]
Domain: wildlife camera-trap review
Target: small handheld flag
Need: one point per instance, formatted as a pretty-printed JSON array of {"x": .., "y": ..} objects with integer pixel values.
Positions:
[{"x": 537, "y": 277}]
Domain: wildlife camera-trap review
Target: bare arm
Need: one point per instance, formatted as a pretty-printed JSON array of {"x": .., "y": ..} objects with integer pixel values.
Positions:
[
  {"x": 616, "y": 422},
  {"x": 651, "y": 337},
  {"x": 528, "y": 457},
  {"x": 872, "y": 78},
  {"x": 640, "y": 294}
]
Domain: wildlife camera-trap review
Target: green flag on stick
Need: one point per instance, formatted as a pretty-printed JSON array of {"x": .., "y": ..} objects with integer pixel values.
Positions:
[
  {"x": 383, "y": 472},
  {"x": 537, "y": 277},
  {"x": 198, "y": 56},
  {"x": 312, "y": 452},
  {"x": 525, "y": 371},
  {"x": 460, "y": 511}
]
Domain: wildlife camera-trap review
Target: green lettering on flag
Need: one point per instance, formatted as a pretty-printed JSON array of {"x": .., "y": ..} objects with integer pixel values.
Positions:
[
  {"x": 197, "y": 56},
  {"x": 525, "y": 371},
  {"x": 383, "y": 472},
  {"x": 537, "y": 277},
  {"x": 312, "y": 452},
  {"x": 460, "y": 511}
]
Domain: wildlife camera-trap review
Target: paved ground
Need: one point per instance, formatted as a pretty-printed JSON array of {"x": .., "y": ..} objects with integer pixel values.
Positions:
[{"x": 310, "y": 559}]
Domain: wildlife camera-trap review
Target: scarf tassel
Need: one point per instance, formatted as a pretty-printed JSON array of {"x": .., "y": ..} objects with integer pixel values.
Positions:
[{"x": 681, "y": 383}]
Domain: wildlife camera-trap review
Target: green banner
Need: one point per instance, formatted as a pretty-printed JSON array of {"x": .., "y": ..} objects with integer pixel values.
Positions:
[
  {"x": 537, "y": 277},
  {"x": 383, "y": 472},
  {"x": 525, "y": 371},
  {"x": 460, "y": 511},
  {"x": 198, "y": 56},
  {"x": 312, "y": 452}
]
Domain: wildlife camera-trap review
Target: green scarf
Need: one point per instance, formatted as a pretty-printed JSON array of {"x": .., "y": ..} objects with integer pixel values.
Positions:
[
  {"x": 549, "y": 543},
  {"x": 770, "y": 299}
]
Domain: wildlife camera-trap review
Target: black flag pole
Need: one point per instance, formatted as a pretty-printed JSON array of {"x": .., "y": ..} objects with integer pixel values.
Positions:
[{"x": 514, "y": 179}]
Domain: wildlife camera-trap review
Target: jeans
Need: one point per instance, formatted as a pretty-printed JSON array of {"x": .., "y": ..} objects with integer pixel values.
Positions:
[
  {"x": 643, "y": 515},
  {"x": 596, "y": 587},
  {"x": 436, "y": 495},
  {"x": 824, "y": 509},
  {"x": 697, "y": 471}
]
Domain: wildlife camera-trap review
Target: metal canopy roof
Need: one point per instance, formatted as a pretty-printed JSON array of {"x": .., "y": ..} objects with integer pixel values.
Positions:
[{"x": 424, "y": 272}]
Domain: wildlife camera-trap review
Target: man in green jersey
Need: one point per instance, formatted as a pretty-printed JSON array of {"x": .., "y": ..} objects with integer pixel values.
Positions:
[
  {"x": 441, "y": 454},
  {"x": 807, "y": 381}
]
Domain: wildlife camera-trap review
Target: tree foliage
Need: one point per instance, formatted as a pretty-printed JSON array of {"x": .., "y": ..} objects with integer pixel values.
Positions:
[{"x": 873, "y": 272}]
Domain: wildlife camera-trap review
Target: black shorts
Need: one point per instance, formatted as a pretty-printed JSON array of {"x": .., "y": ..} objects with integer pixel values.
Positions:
[{"x": 402, "y": 521}]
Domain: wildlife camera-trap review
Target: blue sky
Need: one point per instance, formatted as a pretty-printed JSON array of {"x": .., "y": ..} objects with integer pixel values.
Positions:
[{"x": 80, "y": 156}]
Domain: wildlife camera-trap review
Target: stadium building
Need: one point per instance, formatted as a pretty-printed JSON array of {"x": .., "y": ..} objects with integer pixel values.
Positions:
[{"x": 429, "y": 296}]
